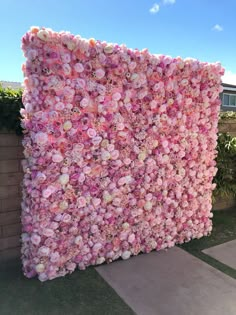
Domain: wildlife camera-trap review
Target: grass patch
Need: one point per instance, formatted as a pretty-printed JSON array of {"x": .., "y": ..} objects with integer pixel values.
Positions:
[
  {"x": 81, "y": 293},
  {"x": 224, "y": 230}
]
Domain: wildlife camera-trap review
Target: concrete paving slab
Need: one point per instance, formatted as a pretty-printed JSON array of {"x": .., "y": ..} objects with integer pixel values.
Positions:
[
  {"x": 225, "y": 253},
  {"x": 171, "y": 282}
]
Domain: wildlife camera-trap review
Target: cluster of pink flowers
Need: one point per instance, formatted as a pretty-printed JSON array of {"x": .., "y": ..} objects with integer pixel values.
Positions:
[{"x": 119, "y": 151}]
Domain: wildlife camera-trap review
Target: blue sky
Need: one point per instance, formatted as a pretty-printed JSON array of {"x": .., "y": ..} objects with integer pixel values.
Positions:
[{"x": 202, "y": 29}]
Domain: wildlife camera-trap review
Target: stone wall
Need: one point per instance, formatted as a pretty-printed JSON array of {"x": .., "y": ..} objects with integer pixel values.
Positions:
[{"x": 11, "y": 153}]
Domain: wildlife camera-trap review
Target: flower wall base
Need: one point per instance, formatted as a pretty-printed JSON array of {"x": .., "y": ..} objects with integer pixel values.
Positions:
[{"x": 119, "y": 151}]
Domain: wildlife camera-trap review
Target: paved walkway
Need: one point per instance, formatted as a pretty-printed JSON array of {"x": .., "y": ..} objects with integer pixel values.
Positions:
[
  {"x": 225, "y": 253},
  {"x": 171, "y": 282}
]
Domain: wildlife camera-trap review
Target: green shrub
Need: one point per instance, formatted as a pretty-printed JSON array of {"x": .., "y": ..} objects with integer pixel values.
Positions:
[
  {"x": 225, "y": 178},
  {"x": 10, "y": 105},
  {"x": 227, "y": 115}
]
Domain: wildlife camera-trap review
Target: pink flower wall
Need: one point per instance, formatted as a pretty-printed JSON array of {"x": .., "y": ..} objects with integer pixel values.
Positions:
[{"x": 119, "y": 151}]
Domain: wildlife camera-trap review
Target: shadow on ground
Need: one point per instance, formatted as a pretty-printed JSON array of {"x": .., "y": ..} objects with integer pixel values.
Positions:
[{"x": 82, "y": 293}]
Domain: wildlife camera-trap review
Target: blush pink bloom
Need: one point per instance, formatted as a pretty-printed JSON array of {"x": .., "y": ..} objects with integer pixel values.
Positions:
[
  {"x": 44, "y": 251},
  {"x": 36, "y": 239},
  {"x": 84, "y": 103},
  {"x": 99, "y": 73},
  {"x": 57, "y": 158},
  {"x": 54, "y": 257},
  {"x": 91, "y": 133},
  {"x": 48, "y": 232},
  {"x": 116, "y": 96},
  {"x": 81, "y": 202},
  {"x": 59, "y": 106},
  {"x": 48, "y": 191},
  {"x": 96, "y": 201},
  {"x": 41, "y": 138},
  {"x": 79, "y": 67}
]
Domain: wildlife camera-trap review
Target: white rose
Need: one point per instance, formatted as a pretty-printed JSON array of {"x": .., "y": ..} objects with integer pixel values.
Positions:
[
  {"x": 43, "y": 35},
  {"x": 126, "y": 254},
  {"x": 39, "y": 268}
]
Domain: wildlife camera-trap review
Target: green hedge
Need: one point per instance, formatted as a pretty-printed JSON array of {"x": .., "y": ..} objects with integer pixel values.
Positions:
[
  {"x": 11, "y": 103},
  {"x": 229, "y": 115},
  {"x": 225, "y": 178}
]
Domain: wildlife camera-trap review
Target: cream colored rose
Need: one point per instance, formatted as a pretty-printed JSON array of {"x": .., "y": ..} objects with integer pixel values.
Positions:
[
  {"x": 64, "y": 179},
  {"x": 63, "y": 205},
  {"x": 43, "y": 35},
  {"x": 40, "y": 268},
  {"x": 142, "y": 155},
  {"x": 67, "y": 125},
  {"x": 107, "y": 197},
  {"x": 108, "y": 49},
  {"x": 148, "y": 206},
  {"x": 125, "y": 225}
]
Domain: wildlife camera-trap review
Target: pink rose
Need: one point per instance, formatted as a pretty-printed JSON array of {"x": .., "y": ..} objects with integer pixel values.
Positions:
[
  {"x": 54, "y": 257},
  {"x": 96, "y": 140},
  {"x": 84, "y": 103},
  {"x": 94, "y": 229},
  {"x": 131, "y": 238},
  {"x": 35, "y": 239},
  {"x": 81, "y": 202},
  {"x": 81, "y": 178},
  {"x": 44, "y": 251},
  {"x": 97, "y": 247},
  {"x": 66, "y": 218},
  {"x": 71, "y": 266},
  {"x": 91, "y": 132},
  {"x": 116, "y": 96},
  {"x": 78, "y": 240},
  {"x": 48, "y": 232},
  {"x": 165, "y": 144},
  {"x": 48, "y": 191},
  {"x": 153, "y": 104},
  {"x": 79, "y": 67},
  {"x": 115, "y": 154},
  {"x": 59, "y": 106},
  {"x": 57, "y": 158},
  {"x": 99, "y": 73},
  {"x": 41, "y": 138}
]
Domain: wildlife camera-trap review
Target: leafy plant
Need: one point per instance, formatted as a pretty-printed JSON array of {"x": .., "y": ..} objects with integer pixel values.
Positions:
[
  {"x": 10, "y": 105},
  {"x": 225, "y": 178},
  {"x": 227, "y": 115}
]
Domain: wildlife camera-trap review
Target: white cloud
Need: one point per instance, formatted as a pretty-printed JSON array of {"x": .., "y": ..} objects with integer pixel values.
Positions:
[
  {"x": 217, "y": 28},
  {"x": 168, "y": 1},
  {"x": 229, "y": 77},
  {"x": 155, "y": 8}
]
